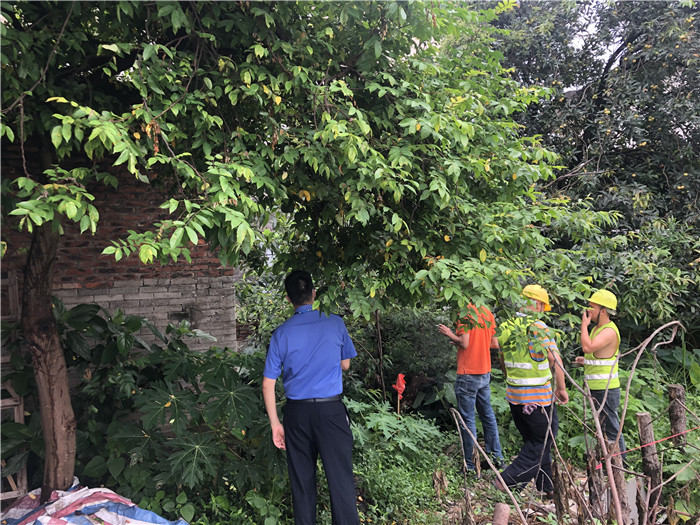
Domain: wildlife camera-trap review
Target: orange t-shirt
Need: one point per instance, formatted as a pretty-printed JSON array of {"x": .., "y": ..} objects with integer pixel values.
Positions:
[{"x": 476, "y": 358}]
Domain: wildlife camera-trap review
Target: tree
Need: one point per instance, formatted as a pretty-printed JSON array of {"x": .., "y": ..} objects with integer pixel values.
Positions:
[
  {"x": 395, "y": 168},
  {"x": 623, "y": 115}
]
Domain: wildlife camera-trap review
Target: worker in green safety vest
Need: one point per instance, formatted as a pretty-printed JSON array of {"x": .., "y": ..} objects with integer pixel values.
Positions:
[
  {"x": 531, "y": 359},
  {"x": 600, "y": 362}
]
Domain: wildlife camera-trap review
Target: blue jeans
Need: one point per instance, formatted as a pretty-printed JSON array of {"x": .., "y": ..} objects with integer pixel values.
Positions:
[
  {"x": 609, "y": 419},
  {"x": 474, "y": 392}
]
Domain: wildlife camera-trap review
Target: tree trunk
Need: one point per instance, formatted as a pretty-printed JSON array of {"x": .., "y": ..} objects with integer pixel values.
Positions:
[
  {"x": 676, "y": 414},
  {"x": 50, "y": 370},
  {"x": 380, "y": 352}
]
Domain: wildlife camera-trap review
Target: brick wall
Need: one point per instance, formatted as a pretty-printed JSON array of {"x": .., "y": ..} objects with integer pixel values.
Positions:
[{"x": 202, "y": 292}]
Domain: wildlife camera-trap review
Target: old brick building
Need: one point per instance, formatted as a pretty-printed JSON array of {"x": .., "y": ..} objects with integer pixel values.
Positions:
[{"x": 201, "y": 292}]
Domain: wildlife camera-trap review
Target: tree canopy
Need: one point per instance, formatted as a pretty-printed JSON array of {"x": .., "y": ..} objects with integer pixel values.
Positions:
[
  {"x": 391, "y": 162},
  {"x": 623, "y": 114}
]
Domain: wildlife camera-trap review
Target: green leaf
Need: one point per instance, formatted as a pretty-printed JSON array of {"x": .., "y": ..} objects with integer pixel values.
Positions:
[
  {"x": 71, "y": 209},
  {"x": 352, "y": 154},
  {"x": 57, "y": 136},
  {"x": 147, "y": 253},
  {"x": 96, "y": 468},
  {"x": 193, "y": 458},
  {"x": 176, "y": 238},
  {"x": 114, "y": 48},
  {"x": 231, "y": 400},
  {"x": 148, "y": 51},
  {"x": 695, "y": 375},
  {"x": 116, "y": 466},
  {"x": 7, "y": 131},
  {"x": 187, "y": 512},
  {"x": 191, "y": 234}
]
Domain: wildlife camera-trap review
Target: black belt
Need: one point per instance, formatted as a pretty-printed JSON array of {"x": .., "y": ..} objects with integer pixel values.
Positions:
[{"x": 316, "y": 399}]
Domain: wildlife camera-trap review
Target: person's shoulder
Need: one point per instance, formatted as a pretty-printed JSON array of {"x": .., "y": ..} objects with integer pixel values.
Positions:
[
  {"x": 281, "y": 327},
  {"x": 487, "y": 314},
  {"x": 334, "y": 317},
  {"x": 538, "y": 327}
]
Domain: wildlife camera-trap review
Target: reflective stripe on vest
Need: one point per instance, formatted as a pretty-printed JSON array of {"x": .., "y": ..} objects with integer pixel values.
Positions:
[
  {"x": 602, "y": 373},
  {"x": 598, "y": 362},
  {"x": 544, "y": 365},
  {"x": 593, "y": 377},
  {"x": 529, "y": 381}
]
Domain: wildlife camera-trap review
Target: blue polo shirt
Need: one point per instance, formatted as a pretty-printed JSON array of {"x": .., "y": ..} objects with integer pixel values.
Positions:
[{"x": 307, "y": 349}]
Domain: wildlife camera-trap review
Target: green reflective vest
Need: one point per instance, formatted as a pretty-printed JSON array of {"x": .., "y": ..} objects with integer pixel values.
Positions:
[
  {"x": 521, "y": 370},
  {"x": 602, "y": 373}
]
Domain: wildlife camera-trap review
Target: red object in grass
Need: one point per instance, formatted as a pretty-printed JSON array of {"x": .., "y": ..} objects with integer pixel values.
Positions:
[{"x": 400, "y": 385}]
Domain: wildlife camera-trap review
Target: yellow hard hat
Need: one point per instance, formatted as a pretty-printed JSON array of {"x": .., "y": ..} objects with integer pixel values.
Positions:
[
  {"x": 604, "y": 298},
  {"x": 535, "y": 291}
]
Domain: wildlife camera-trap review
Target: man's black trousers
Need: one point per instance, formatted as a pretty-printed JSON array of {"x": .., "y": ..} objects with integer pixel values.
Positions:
[
  {"x": 313, "y": 429},
  {"x": 534, "y": 459}
]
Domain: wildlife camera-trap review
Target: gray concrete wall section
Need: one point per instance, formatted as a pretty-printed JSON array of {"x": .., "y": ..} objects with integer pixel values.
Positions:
[{"x": 208, "y": 303}]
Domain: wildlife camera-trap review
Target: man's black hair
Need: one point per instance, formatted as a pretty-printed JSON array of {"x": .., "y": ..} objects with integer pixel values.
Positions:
[{"x": 299, "y": 287}]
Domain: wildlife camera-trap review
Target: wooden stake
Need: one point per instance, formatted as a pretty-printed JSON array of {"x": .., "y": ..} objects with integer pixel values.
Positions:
[
  {"x": 676, "y": 413},
  {"x": 561, "y": 493},
  {"x": 596, "y": 492},
  {"x": 651, "y": 465},
  {"x": 619, "y": 480},
  {"x": 501, "y": 514}
]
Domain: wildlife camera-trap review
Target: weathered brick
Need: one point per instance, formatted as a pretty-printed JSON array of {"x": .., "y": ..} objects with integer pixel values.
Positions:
[{"x": 82, "y": 274}]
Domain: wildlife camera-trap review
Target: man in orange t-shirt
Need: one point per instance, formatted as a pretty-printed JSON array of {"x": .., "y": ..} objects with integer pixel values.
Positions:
[{"x": 474, "y": 338}]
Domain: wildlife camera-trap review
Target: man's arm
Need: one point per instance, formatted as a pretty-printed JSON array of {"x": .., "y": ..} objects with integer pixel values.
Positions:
[
  {"x": 461, "y": 341},
  {"x": 560, "y": 393},
  {"x": 495, "y": 345},
  {"x": 344, "y": 364},
  {"x": 268, "y": 389},
  {"x": 603, "y": 345}
]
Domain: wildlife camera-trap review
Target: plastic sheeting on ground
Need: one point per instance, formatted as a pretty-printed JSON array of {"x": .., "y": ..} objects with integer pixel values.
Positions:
[{"x": 80, "y": 506}]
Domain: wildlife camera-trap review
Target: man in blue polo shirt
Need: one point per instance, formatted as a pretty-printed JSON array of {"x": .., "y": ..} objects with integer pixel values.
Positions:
[{"x": 310, "y": 350}]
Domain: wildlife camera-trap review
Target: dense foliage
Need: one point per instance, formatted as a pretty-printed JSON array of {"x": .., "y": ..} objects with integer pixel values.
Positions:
[
  {"x": 392, "y": 163},
  {"x": 623, "y": 115},
  {"x": 185, "y": 434}
]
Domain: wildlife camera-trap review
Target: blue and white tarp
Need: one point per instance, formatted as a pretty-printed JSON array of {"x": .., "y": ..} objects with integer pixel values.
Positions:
[{"x": 81, "y": 506}]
